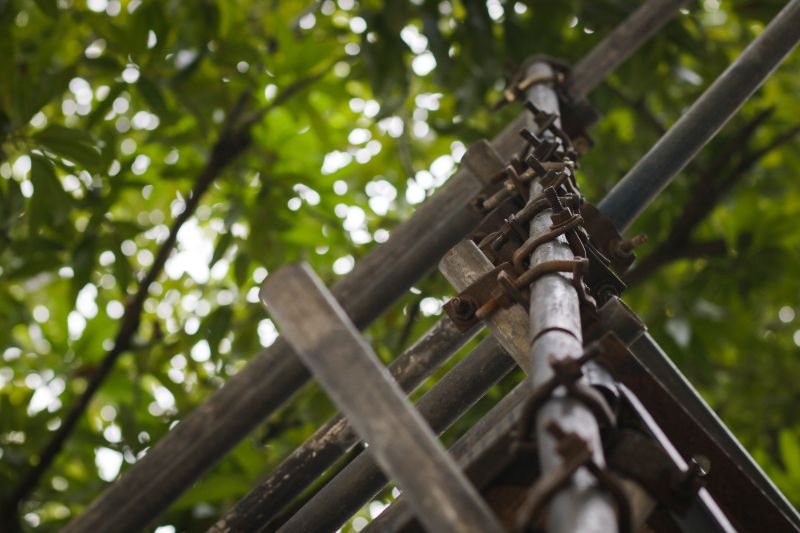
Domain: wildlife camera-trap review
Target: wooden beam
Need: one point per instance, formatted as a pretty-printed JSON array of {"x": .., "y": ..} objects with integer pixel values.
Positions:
[
  {"x": 495, "y": 427},
  {"x": 464, "y": 264},
  {"x": 441, "y": 406},
  {"x": 337, "y": 437},
  {"x": 398, "y": 438}
]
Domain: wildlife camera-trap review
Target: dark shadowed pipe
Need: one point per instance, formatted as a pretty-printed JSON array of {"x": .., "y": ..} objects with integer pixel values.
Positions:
[{"x": 710, "y": 112}]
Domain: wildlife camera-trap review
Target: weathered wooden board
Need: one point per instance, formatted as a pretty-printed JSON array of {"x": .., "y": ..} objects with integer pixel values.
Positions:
[{"x": 399, "y": 439}]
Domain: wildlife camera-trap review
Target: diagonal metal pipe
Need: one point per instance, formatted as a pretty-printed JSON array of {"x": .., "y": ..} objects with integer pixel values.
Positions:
[{"x": 651, "y": 175}]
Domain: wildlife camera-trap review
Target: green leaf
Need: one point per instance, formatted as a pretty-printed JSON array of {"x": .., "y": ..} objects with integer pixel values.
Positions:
[
  {"x": 223, "y": 244},
  {"x": 217, "y": 325},
  {"x": 123, "y": 272},
  {"x": 11, "y": 203},
  {"x": 101, "y": 109},
  {"x": 790, "y": 451},
  {"x": 74, "y": 145},
  {"x": 241, "y": 268},
  {"x": 83, "y": 259},
  {"x": 152, "y": 95},
  {"x": 50, "y": 204}
]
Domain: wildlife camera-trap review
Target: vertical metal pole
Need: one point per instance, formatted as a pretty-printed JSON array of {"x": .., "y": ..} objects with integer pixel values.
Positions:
[
  {"x": 555, "y": 329},
  {"x": 708, "y": 114}
]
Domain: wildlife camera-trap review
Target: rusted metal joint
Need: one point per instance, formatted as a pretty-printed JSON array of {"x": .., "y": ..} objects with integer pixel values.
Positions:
[
  {"x": 566, "y": 373},
  {"x": 488, "y": 293},
  {"x": 547, "y": 121},
  {"x": 513, "y": 181},
  {"x": 548, "y": 267},
  {"x": 516, "y": 91},
  {"x": 524, "y": 251},
  {"x": 519, "y": 186},
  {"x": 543, "y": 148},
  {"x": 623, "y": 248},
  {"x": 607, "y": 239},
  {"x": 575, "y": 453},
  {"x": 502, "y": 231},
  {"x": 500, "y": 288},
  {"x": 637, "y": 456},
  {"x": 690, "y": 481}
]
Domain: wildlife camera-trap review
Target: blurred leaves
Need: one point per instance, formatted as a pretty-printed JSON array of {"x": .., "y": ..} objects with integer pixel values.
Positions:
[{"x": 109, "y": 109}]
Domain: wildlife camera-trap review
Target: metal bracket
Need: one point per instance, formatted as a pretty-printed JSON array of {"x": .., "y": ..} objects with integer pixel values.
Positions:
[
  {"x": 682, "y": 491},
  {"x": 464, "y": 308},
  {"x": 607, "y": 239},
  {"x": 576, "y": 454}
]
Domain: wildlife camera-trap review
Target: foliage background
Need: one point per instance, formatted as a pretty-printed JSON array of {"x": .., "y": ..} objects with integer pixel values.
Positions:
[{"x": 109, "y": 111}]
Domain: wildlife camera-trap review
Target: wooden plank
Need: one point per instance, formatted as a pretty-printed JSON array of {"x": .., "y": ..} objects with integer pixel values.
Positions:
[
  {"x": 362, "y": 479},
  {"x": 464, "y": 264},
  {"x": 496, "y": 427},
  {"x": 337, "y": 437},
  {"x": 399, "y": 439}
]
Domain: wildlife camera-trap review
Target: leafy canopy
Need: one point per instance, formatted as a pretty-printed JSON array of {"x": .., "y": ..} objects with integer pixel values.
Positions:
[{"x": 109, "y": 115}]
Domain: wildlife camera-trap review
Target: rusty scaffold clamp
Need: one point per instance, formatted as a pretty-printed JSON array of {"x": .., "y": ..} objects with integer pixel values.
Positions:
[{"x": 502, "y": 235}]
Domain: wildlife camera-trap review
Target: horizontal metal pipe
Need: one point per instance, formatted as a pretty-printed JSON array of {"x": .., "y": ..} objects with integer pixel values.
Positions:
[
  {"x": 360, "y": 480},
  {"x": 708, "y": 114},
  {"x": 336, "y": 437}
]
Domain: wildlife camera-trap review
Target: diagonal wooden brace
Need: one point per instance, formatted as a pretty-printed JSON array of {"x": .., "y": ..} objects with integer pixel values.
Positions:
[{"x": 314, "y": 324}]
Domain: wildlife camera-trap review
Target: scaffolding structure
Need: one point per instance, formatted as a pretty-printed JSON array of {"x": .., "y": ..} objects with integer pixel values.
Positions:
[{"x": 604, "y": 434}]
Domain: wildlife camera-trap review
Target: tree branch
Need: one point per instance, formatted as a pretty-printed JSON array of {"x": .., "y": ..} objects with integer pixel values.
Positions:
[
  {"x": 234, "y": 138},
  {"x": 408, "y": 326},
  {"x": 640, "y": 106}
]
